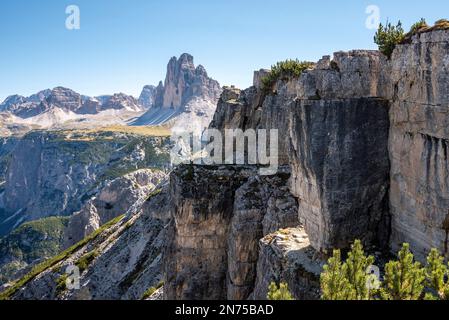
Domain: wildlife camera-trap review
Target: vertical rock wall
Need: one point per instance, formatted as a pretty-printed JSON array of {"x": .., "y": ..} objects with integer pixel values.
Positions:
[{"x": 419, "y": 140}]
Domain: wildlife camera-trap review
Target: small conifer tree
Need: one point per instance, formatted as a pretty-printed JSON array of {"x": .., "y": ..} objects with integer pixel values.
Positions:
[
  {"x": 279, "y": 293},
  {"x": 436, "y": 272},
  {"x": 334, "y": 283},
  {"x": 388, "y": 36},
  {"x": 348, "y": 280},
  {"x": 404, "y": 279}
]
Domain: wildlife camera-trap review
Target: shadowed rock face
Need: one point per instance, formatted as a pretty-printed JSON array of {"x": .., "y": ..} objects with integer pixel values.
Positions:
[
  {"x": 334, "y": 137},
  {"x": 340, "y": 170},
  {"x": 287, "y": 256},
  {"x": 148, "y": 96},
  {"x": 218, "y": 216}
]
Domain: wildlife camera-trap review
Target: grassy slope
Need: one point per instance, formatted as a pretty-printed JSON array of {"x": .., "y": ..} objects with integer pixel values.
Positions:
[
  {"x": 32, "y": 241},
  {"x": 8, "y": 293}
]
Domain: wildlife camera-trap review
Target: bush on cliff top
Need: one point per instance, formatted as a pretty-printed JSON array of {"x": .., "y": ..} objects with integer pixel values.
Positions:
[
  {"x": 388, "y": 36},
  {"x": 284, "y": 69}
]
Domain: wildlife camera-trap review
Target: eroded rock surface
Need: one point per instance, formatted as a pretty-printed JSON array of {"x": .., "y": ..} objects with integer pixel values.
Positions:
[
  {"x": 218, "y": 216},
  {"x": 419, "y": 139},
  {"x": 115, "y": 199},
  {"x": 287, "y": 256}
]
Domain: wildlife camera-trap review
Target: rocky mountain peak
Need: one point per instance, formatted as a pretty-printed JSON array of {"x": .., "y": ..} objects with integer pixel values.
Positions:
[
  {"x": 184, "y": 82},
  {"x": 148, "y": 96},
  {"x": 64, "y": 98},
  {"x": 120, "y": 101}
]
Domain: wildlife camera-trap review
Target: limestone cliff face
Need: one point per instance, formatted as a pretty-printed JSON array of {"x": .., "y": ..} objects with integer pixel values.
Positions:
[
  {"x": 287, "y": 256},
  {"x": 334, "y": 137},
  {"x": 419, "y": 139},
  {"x": 219, "y": 214}
]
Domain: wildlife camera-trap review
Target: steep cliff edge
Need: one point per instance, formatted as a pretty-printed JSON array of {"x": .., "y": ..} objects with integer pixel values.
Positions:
[
  {"x": 219, "y": 214},
  {"x": 419, "y": 140},
  {"x": 334, "y": 128}
]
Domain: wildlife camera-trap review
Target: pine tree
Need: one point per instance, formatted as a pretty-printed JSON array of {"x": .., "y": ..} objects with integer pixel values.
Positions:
[
  {"x": 388, "y": 36},
  {"x": 279, "y": 293},
  {"x": 348, "y": 280},
  {"x": 334, "y": 283},
  {"x": 404, "y": 279},
  {"x": 436, "y": 272},
  {"x": 356, "y": 271}
]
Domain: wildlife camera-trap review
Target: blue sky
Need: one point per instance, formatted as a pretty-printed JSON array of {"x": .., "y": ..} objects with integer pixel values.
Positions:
[{"x": 124, "y": 44}]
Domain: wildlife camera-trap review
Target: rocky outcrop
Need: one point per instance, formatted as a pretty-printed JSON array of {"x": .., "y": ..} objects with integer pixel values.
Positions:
[
  {"x": 184, "y": 81},
  {"x": 55, "y": 173},
  {"x": 188, "y": 96},
  {"x": 148, "y": 96},
  {"x": 219, "y": 214},
  {"x": 336, "y": 143},
  {"x": 419, "y": 139},
  {"x": 23, "y": 106},
  {"x": 121, "y": 101},
  {"x": 287, "y": 256},
  {"x": 115, "y": 199}
]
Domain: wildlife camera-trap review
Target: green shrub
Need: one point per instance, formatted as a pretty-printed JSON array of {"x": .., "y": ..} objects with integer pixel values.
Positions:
[
  {"x": 388, "y": 36},
  {"x": 404, "y": 279},
  {"x": 152, "y": 290},
  {"x": 418, "y": 26},
  {"x": 348, "y": 280},
  {"x": 436, "y": 274},
  {"x": 279, "y": 293},
  {"x": 84, "y": 262},
  {"x": 284, "y": 69}
]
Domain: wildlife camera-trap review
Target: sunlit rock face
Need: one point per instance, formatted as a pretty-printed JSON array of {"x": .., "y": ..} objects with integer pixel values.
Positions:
[{"x": 419, "y": 141}]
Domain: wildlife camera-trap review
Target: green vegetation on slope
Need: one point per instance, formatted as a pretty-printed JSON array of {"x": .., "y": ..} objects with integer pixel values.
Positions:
[
  {"x": 8, "y": 293},
  {"x": 152, "y": 290},
  {"x": 33, "y": 241}
]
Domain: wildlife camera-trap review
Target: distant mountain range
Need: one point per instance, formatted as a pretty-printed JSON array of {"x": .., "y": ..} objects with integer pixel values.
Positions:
[{"x": 188, "y": 93}]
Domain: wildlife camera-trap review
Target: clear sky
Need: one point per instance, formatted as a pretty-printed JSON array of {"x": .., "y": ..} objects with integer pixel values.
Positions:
[{"x": 124, "y": 44}]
